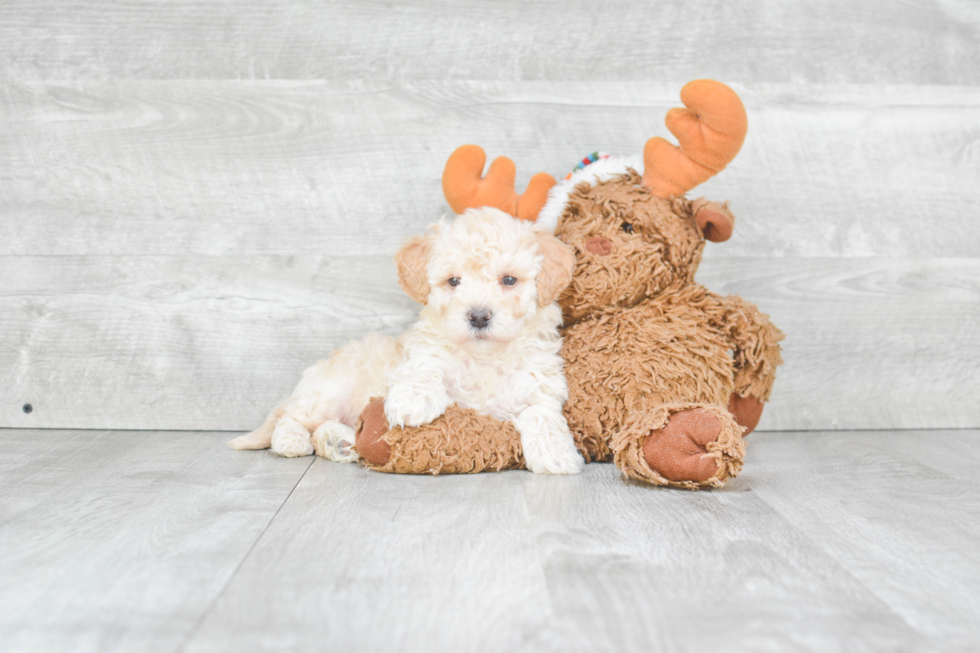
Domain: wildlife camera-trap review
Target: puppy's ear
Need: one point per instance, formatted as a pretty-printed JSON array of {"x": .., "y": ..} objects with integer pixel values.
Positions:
[
  {"x": 412, "y": 260},
  {"x": 556, "y": 270}
]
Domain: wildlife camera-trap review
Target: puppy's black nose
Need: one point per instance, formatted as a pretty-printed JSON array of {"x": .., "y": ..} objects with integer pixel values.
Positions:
[{"x": 480, "y": 318}]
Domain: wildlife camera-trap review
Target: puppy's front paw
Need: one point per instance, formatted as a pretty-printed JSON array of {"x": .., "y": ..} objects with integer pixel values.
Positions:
[
  {"x": 548, "y": 446},
  {"x": 552, "y": 457},
  {"x": 415, "y": 405}
]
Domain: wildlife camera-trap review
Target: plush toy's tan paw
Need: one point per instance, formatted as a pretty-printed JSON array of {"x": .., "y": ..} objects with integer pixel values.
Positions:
[
  {"x": 371, "y": 429},
  {"x": 746, "y": 410},
  {"x": 680, "y": 444},
  {"x": 678, "y": 451}
]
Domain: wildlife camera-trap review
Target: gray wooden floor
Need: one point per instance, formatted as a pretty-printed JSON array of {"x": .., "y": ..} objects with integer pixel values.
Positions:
[{"x": 168, "y": 541}]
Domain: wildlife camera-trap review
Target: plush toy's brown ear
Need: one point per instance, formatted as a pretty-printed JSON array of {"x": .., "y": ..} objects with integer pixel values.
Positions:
[
  {"x": 412, "y": 260},
  {"x": 557, "y": 269},
  {"x": 715, "y": 221}
]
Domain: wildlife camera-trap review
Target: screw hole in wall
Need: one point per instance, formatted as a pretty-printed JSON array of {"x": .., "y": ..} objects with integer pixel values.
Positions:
[{"x": 28, "y": 408}]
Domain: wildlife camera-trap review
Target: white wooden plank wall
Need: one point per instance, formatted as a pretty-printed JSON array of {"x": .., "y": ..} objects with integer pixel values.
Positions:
[{"x": 197, "y": 200}]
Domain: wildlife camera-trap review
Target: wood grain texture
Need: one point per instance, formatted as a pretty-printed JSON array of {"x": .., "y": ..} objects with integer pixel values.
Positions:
[
  {"x": 199, "y": 200},
  {"x": 870, "y": 343},
  {"x": 844, "y": 488},
  {"x": 369, "y": 562},
  {"x": 933, "y": 42},
  {"x": 712, "y": 571},
  {"x": 135, "y": 167},
  {"x": 121, "y": 541},
  {"x": 190, "y": 341},
  {"x": 163, "y": 541},
  {"x": 214, "y": 342},
  {"x": 515, "y": 560}
]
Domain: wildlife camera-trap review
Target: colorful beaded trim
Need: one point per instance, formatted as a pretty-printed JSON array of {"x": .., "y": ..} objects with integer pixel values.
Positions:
[{"x": 592, "y": 158}]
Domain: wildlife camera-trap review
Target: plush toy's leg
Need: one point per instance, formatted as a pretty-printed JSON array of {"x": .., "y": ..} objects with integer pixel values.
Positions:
[
  {"x": 747, "y": 411},
  {"x": 755, "y": 345},
  {"x": 682, "y": 445},
  {"x": 370, "y": 433},
  {"x": 461, "y": 441}
]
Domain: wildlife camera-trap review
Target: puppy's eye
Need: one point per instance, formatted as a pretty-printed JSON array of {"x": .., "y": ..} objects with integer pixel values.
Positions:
[
  {"x": 454, "y": 282},
  {"x": 509, "y": 281},
  {"x": 627, "y": 227}
]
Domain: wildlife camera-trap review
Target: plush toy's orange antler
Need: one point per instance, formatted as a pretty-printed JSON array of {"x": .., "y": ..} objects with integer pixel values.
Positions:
[
  {"x": 464, "y": 187},
  {"x": 710, "y": 132}
]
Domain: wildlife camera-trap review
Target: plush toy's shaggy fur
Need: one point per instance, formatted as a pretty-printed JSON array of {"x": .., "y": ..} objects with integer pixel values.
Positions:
[
  {"x": 461, "y": 441},
  {"x": 644, "y": 342},
  {"x": 664, "y": 376}
]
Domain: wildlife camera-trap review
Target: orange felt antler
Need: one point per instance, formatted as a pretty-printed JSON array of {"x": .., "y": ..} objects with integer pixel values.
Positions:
[
  {"x": 464, "y": 187},
  {"x": 710, "y": 131}
]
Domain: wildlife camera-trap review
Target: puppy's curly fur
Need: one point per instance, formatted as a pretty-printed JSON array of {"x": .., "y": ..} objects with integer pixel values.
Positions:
[{"x": 486, "y": 339}]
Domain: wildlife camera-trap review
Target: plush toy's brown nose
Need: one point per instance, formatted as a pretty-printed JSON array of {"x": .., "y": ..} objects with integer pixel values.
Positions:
[
  {"x": 599, "y": 245},
  {"x": 480, "y": 318}
]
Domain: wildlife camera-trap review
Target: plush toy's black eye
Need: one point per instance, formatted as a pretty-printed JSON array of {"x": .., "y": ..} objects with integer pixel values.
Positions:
[
  {"x": 454, "y": 282},
  {"x": 627, "y": 227},
  {"x": 509, "y": 281}
]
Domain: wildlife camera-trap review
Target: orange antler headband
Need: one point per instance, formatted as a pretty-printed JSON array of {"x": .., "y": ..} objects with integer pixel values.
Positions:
[
  {"x": 465, "y": 188},
  {"x": 710, "y": 131}
]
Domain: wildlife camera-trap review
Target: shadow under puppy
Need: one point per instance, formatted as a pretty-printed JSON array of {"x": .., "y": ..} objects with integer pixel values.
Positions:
[{"x": 487, "y": 339}]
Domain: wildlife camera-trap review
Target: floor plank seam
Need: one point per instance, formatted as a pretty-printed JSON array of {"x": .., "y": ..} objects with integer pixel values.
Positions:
[
  {"x": 843, "y": 568},
  {"x": 231, "y": 577}
]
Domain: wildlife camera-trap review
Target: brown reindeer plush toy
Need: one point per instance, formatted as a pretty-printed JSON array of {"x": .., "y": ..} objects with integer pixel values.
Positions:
[{"x": 665, "y": 377}]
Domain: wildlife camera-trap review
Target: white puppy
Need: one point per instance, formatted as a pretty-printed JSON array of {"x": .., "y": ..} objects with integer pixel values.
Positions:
[{"x": 487, "y": 339}]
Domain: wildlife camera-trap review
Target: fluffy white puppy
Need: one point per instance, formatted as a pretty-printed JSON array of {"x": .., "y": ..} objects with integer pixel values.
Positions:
[{"x": 487, "y": 339}]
